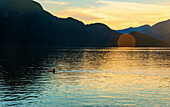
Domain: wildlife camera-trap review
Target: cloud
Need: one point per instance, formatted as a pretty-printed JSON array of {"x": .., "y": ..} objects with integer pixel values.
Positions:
[
  {"x": 119, "y": 15},
  {"x": 56, "y": 2},
  {"x": 79, "y": 14}
]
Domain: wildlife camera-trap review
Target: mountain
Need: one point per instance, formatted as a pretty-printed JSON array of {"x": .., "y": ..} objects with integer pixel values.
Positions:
[
  {"x": 26, "y": 23},
  {"x": 159, "y": 31},
  {"x": 131, "y": 29},
  {"x": 147, "y": 41},
  {"x": 162, "y": 29},
  {"x": 168, "y": 40}
]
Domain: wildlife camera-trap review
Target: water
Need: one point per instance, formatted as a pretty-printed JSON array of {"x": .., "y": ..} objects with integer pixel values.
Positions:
[{"x": 85, "y": 77}]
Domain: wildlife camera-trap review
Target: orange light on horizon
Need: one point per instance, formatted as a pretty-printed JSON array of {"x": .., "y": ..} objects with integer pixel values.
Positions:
[{"x": 126, "y": 40}]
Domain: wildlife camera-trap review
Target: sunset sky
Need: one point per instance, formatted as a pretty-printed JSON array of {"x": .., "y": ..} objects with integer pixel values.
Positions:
[{"x": 117, "y": 14}]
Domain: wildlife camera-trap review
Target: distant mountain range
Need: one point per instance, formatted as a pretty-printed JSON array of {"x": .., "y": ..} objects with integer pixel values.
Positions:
[
  {"x": 131, "y": 29},
  {"x": 160, "y": 31},
  {"x": 26, "y": 23}
]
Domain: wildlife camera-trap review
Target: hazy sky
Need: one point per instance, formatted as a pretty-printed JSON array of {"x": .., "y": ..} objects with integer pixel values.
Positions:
[{"x": 117, "y": 14}]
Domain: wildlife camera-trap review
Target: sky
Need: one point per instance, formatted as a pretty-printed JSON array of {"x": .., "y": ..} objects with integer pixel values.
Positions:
[{"x": 117, "y": 14}]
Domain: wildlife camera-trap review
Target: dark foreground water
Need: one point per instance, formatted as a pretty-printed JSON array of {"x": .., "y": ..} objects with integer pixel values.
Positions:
[{"x": 85, "y": 77}]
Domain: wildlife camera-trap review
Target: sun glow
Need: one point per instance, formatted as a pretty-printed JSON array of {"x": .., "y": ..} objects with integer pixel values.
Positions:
[
  {"x": 116, "y": 14},
  {"x": 126, "y": 40}
]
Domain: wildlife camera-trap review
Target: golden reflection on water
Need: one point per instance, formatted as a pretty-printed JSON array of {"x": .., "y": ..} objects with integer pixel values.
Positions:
[
  {"x": 125, "y": 77},
  {"x": 88, "y": 77},
  {"x": 125, "y": 89},
  {"x": 106, "y": 79},
  {"x": 112, "y": 60}
]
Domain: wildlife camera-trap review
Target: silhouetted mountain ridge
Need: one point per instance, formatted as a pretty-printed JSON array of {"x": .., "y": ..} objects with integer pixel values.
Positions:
[
  {"x": 26, "y": 23},
  {"x": 131, "y": 29},
  {"x": 147, "y": 41},
  {"x": 158, "y": 31}
]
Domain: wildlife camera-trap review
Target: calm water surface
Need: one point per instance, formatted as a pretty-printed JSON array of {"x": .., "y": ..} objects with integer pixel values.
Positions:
[{"x": 85, "y": 77}]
